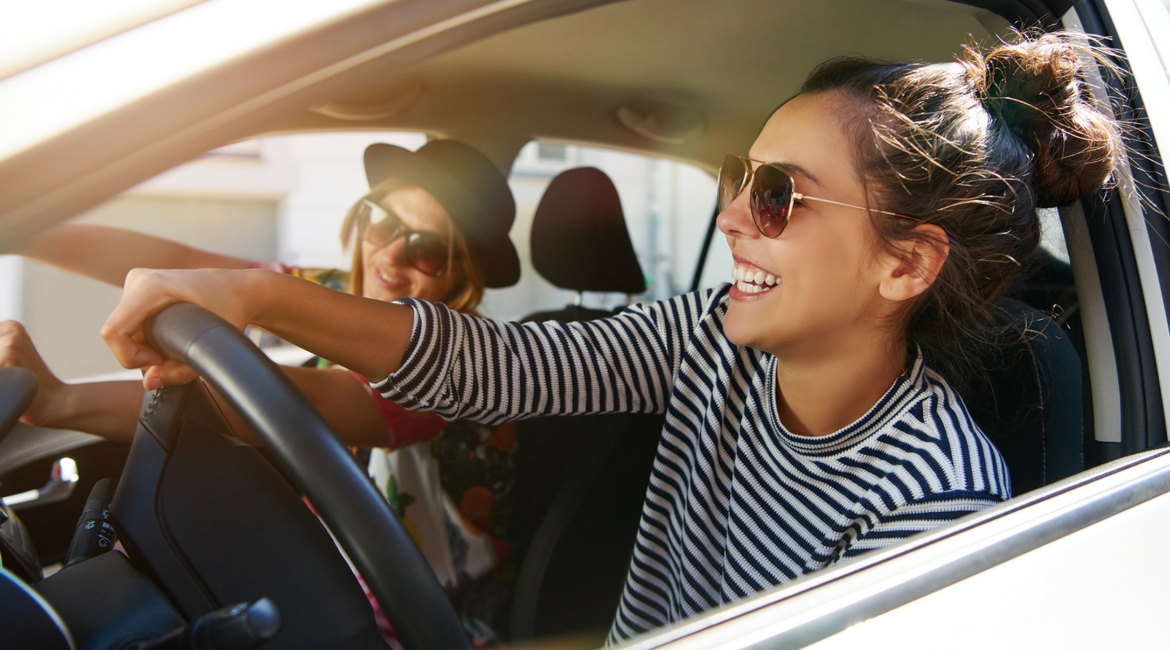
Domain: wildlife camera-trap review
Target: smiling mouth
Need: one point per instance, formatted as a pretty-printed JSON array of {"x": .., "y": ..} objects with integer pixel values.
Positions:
[
  {"x": 750, "y": 280},
  {"x": 387, "y": 280}
]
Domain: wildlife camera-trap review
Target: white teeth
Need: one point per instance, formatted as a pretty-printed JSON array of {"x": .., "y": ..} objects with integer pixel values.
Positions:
[
  {"x": 749, "y": 288},
  {"x": 750, "y": 281}
]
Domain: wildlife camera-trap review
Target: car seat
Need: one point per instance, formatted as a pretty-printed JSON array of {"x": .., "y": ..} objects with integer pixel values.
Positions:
[
  {"x": 580, "y": 242},
  {"x": 580, "y": 481},
  {"x": 1028, "y": 398}
]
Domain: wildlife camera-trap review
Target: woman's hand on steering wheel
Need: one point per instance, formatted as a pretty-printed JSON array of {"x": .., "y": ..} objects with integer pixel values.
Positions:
[
  {"x": 148, "y": 291},
  {"x": 17, "y": 350}
]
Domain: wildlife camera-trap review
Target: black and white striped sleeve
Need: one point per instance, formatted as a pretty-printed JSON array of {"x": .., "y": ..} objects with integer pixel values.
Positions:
[
  {"x": 461, "y": 366},
  {"x": 928, "y": 513}
]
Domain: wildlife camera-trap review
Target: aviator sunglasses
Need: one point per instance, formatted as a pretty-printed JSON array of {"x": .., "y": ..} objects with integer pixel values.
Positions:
[
  {"x": 773, "y": 193},
  {"x": 428, "y": 252}
]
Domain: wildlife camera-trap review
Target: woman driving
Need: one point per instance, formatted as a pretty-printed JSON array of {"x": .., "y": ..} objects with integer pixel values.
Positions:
[{"x": 874, "y": 223}]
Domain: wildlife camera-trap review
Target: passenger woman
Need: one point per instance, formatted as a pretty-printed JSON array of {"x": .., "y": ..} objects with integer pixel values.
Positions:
[{"x": 434, "y": 226}]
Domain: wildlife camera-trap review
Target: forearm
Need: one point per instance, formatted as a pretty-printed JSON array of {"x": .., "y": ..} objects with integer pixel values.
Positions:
[
  {"x": 341, "y": 399},
  {"x": 493, "y": 372},
  {"x": 108, "y": 254},
  {"x": 367, "y": 336},
  {"x": 107, "y": 409},
  {"x": 110, "y": 409}
]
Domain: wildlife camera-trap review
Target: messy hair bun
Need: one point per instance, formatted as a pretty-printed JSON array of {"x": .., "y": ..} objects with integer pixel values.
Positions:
[
  {"x": 973, "y": 147},
  {"x": 1037, "y": 88}
]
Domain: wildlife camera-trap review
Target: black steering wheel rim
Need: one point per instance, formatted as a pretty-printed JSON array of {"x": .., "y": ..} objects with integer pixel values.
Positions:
[
  {"x": 18, "y": 387},
  {"x": 308, "y": 453}
]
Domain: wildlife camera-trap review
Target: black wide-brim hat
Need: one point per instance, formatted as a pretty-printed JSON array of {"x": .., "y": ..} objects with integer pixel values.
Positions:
[{"x": 469, "y": 187}]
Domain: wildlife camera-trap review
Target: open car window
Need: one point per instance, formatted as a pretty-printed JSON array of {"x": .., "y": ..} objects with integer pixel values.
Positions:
[
  {"x": 282, "y": 199},
  {"x": 274, "y": 199}
]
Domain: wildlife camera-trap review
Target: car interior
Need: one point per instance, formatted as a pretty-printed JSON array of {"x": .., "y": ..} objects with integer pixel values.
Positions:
[{"x": 686, "y": 80}]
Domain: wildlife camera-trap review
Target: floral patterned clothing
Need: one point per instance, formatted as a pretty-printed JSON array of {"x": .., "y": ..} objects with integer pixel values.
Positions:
[{"x": 450, "y": 483}]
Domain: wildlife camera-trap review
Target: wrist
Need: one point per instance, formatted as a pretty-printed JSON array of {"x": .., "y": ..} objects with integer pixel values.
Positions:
[
  {"x": 257, "y": 287},
  {"x": 55, "y": 406}
]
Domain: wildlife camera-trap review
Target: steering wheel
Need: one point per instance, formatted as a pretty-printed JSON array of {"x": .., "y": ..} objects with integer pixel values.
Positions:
[
  {"x": 18, "y": 387},
  {"x": 309, "y": 455}
]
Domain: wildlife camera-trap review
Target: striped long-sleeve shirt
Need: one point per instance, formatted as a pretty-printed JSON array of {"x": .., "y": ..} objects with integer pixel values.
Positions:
[{"x": 736, "y": 503}]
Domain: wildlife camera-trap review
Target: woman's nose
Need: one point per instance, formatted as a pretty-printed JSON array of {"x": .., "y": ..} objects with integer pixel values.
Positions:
[
  {"x": 736, "y": 219},
  {"x": 394, "y": 252}
]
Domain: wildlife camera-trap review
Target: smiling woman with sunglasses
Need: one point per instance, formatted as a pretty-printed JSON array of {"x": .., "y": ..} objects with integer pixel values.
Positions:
[
  {"x": 809, "y": 414},
  {"x": 428, "y": 252},
  {"x": 434, "y": 226}
]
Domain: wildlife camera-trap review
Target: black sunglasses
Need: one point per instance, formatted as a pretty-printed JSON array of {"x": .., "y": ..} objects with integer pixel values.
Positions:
[
  {"x": 773, "y": 193},
  {"x": 426, "y": 251}
]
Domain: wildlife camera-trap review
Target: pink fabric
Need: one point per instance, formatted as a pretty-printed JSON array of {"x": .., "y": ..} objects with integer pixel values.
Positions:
[
  {"x": 404, "y": 426},
  {"x": 384, "y": 627}
]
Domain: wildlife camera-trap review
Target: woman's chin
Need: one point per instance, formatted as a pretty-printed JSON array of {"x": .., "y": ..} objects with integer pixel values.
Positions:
[{"x": 739, "y": 327}]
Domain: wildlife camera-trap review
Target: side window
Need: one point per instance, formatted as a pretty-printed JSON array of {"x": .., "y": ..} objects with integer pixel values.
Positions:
[
  {"x": 283, "y": 198},
  {"x": 667, "y": 205}
]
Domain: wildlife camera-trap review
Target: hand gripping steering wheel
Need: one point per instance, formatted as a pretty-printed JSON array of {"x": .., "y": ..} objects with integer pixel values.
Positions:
[{"x": 316, "y": 463}]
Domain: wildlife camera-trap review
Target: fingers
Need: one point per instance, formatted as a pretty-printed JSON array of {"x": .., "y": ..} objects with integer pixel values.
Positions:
[
  {"x": 17, "y": 349},
  {"x": 167, "y": 373},
  {"x": 124, "y": 331},
  {"x": 146, "y": 293},
  {"x": 11, "y": 334}
]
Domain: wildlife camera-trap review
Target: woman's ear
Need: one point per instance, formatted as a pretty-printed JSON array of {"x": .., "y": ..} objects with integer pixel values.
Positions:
[{"x": 914, "y": 263}]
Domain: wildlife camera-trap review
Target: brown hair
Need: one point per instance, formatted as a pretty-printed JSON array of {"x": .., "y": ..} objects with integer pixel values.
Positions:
[
  {"x": 973, "y": 147},
  {"x": 467, "y": 292}
]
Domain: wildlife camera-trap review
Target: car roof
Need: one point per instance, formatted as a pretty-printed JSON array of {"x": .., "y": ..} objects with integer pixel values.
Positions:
[
  {"x": 722, "y": 67},
  {"x": 697, "y": 77}
]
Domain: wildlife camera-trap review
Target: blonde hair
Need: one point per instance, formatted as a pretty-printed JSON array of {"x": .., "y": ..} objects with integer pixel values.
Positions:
[{"x": 468, "y": 290}]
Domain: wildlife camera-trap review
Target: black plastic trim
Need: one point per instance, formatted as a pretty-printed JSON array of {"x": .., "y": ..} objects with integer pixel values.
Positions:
[
  {"x": 707, "y": 239},
  {"x": 1149, "y": 175},
  {"x": 1143, "y": 424},
  {"x": 1025, "y": 13}
]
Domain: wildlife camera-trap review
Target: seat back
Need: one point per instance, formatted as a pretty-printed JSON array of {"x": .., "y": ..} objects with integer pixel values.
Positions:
[
  {"x": 1030, "y": 400},
  {"x": 580, "y": 481}
]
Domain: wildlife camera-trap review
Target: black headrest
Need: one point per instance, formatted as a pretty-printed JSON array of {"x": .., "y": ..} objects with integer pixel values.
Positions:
[{"x": 579, "y": 238}]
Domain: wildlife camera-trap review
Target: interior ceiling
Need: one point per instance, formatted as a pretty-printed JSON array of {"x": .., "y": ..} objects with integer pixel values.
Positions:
[{"x": 732, "y": 61}]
